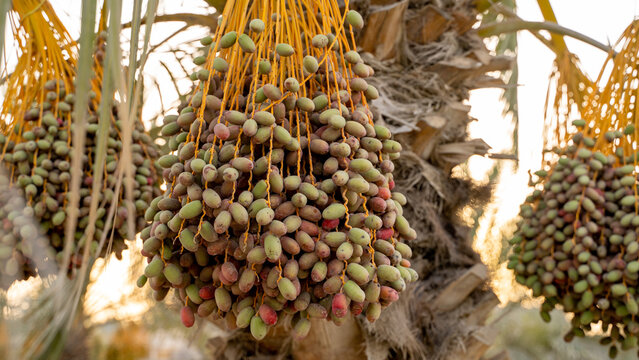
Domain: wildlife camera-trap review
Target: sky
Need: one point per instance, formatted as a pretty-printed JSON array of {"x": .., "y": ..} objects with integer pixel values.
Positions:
[{"x": 603, "y": 21}]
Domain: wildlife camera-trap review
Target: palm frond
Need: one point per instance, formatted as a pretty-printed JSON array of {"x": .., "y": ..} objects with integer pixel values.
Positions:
[
  {"x": 65, "y": 304},
  {"x": 83, "y": 86},
  {"x": 105, "y": 117},
  {"x": 507, "y": 45},
  {"x": 484, "y": 219},
  {"x": 129, "y": 109}
]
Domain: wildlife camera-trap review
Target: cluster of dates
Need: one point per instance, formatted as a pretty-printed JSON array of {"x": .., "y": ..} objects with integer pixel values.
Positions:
[
  {"x": 577, "y": 243},
  {"x": 283, "y": 204},
  {"x": 37, "y": 157}
]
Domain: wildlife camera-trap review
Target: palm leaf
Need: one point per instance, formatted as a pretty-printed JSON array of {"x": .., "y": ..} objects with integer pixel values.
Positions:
[
  {"x": 484, "y": 219},
  {"x": 66, "y": 303},
  {"x": 129, "y": 89},
  {"x": 105, "y": 119},
  {"x": 83, "y": 86},
  {"x": 134, "y": 88},
  {"x": 507, "y": 45}
]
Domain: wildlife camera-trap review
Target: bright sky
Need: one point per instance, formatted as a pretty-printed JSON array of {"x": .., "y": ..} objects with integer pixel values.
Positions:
[{"x": 601, "y": 20}]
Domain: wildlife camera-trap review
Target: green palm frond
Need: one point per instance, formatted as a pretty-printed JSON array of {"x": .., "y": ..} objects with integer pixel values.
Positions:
[
  {"x": 507, "y": 45},
  {"x": 66, "y": 303}
]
